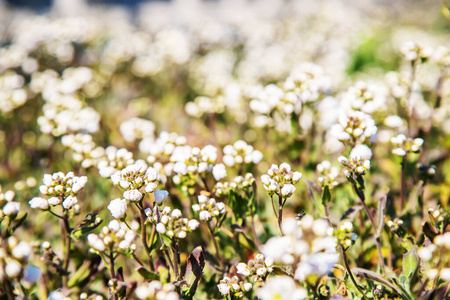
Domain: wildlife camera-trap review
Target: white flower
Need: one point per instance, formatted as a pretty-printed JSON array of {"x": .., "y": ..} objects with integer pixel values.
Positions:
[
  {"x": 11, "y": 208},
  {"x": 361, "y": 152},
  {"x": 224, "y": 288},
  {"x": 22, "y": 250},
  {"x": 150, "y": 188},
  {"x": 282, "y": 288},
  {"x": 242, "y": 269},
  {"x": 296, "y": 176},
  {"x": 79, "y": 183},
  {"x": 219, "y": 171},
  {"x": 160, "y": 195},
  {"x": 69, "y": 202},
  {"x": 39, "y": 203},
  {"x": 176, "y": 213},
  {"x": 13, "y": 269},
  {"x": 161, "y": 228},
  {"x": 95, "y": 242},
  {"x": 132, "y": 195},
  {"x": 204, "y": 215},
  {"x": 287, "y": 190},
  {"x": 54, "y": 200},
  {"x": 193, "y": 224},
  {"x": 117, "y": 207},
  {"x": 247, "y": 286}
]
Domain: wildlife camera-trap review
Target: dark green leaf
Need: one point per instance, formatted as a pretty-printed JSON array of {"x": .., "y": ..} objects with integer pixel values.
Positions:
[{"x": 147, "y": 274}]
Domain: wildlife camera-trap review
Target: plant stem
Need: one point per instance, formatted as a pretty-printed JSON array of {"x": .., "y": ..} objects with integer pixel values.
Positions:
[
  {"x": 362, "y": 199},
  {"x": 216, "y": 247},
  {"x": 143, "y": 217},
  {"x": 344, "y": 256},
  {"x": 255, "y": 236},
  {"x": 403, "y": 183},
  {"x": 66, "y": 245},
  {"x": 176, "y": 258},
  {"x": 280, "y": 212}
]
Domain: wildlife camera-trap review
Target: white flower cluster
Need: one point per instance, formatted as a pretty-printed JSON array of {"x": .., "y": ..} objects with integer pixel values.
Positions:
[
  {"x": 259, "y": 267},
  {"x": 354, "y": 127},
  {"x": 412, "y": 51},
  {"x": 365, "y": 97},
  {"x": 404, "y": 145},
  {"x": 8, "y": 207},
  {"x": 282, "y": 288},
  {"x": 114, "y": 160},
  {"x": 84, "y": 149},
  {"x": 233, "y": 286},
  {"x": 208, "y": 208},
  {"x": 116, "y": 237},
  {"x": 155, "y": 290},
  {"x": 14, "y": 259},
  {"x": 309, "y": 246},
  {"x": 239, "y": 183},
  {"x": 170, "y": 222},
  {"x": 62, "y": 189},
  {"x": 161, "y": 148},
  {"x": 280, "y": 180},
  {"x": 358, "y": 162},
  {"x": 240, "y": 152},
  {"x": 133, "y": 177},
  {"x": 12, "y": 92},
  {"x": 442, "y": 56},
  {"x": 328, "y": 174},
  {"x": 437, "y": 252},
  {"x": 137, "y": 129},
  {"x": 345, "y": 235}
]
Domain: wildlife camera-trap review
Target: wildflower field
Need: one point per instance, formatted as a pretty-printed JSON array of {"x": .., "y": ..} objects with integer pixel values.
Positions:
[{"x": 229, "y": 149}]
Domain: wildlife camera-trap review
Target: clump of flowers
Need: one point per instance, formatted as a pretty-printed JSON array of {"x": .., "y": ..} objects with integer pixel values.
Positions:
[
  {"x": 137, "y": 129},
  {"x": 114, "y": 160},
  {"x": 345, "y": 235},
  {"x": 280, "y": 180},
  {"x": 413, "y": 52},
  {"x": 114, "y": 238},
  {"x": 62, "y": 189},
  {"x": 208, "y": 208},
  {"x": 307, "y": 245},
  {"x": 155, "y": 290},
  {"x": 240, "y": 152},
  {"x": 8, "y": 207},
  {"x": 328, "y": 174},
  {"x": 239, "y": 183},
  {"x": 358, "y": 162},
  {"x": 14, "y": 257},
  {"x": 355, "y": 127},
  {"x": 84, "y": 149},
  {"x": 170, "y": 222},
  {"x": 233, "y": 286},
  {"x": 281, "y": 287},
  {"x": 259, "y": 267},
  {"x": 133, "y": 177},
  {"x": 404, "y": 145}
]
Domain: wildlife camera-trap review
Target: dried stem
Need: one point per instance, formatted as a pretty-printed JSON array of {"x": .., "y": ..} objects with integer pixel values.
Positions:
[
  {"x": 216, "y": 247},
  {"x": 66, "y": 246},
  {"x": 344, "y": 256},
  {"x": 362, "y": 199},
  {"x": 176, "y": 258}
]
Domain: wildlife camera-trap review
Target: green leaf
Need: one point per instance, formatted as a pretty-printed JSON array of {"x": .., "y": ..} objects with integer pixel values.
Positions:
[
  {"x": 410, "y": 263},
  {"x": 326, "y": 195},
  {"x": 81, "y": 274},
  {"x": 147, "y": 274},
  {"x": 194, "y": 271},
  {"x": 19, "y": 222}
]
